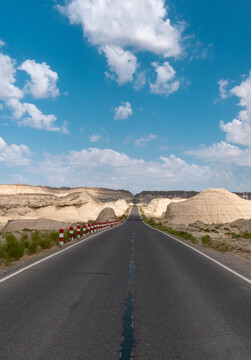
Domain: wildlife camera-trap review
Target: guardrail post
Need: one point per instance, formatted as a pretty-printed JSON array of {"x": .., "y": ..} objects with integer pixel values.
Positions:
[{"x": 61, "y": 237}]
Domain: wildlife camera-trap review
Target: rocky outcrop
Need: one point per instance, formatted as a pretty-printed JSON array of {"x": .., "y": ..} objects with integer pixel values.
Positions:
[
  {"x": 106, "y": 215},
  {"x": 21, "y": 202}
]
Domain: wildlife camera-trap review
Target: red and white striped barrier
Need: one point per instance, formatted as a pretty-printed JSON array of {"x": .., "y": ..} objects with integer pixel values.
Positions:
[
  {"x": 84, "y": 230},
  {"x": 88, "y": 228},
  {"x": 91, "y": 228},
  {"x": 61, "y": 237},
  {"x": 78, "y": 231},
  {"x": 71, "y": 233}
]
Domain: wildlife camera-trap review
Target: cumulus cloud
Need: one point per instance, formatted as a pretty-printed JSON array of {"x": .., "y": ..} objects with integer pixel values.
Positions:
[
  {"x": 109, "y": 168},
  {"x": 222, "y": 87},
  {"x": 238, "y": 131},
  {"x": 140, "y": 24},
  {"x": 165, "y": 83},
  {"x": 221, "y": 152},
  {"x": 95, "y": 138},
  {"x": 25, "y": 113},
  {"x": 43, "y": 83},
  {"x": 12, "y": 155},
  {"x": 2, "y": 43},
  {"x": 7, "y": 79},
  {"x": 144, "y": 141},
  {"x": 117, "y": 27},
  {"x": 122, "y": 63},
  {"x": 123, "y": 111}
]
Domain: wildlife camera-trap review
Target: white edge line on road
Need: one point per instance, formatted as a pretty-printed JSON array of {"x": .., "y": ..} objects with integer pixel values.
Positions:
[
  {"x": 57, "y": 253},
  {"x": 201, "y": 253}
]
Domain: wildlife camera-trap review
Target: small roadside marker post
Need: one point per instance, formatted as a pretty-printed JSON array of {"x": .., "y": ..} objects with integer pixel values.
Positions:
[
  {"x": 91, "y": 228},
  {"x": 61, "y": 237},
  {"x": 71, "y": 233},
  {"x": 84, "y": 230},
  {"x": 78, "y": 231}
]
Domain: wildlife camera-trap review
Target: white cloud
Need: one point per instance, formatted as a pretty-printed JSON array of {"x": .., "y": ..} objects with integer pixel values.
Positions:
[
  {"x": 142, "y": 24},
  {"x": 121, "y": 28},
  {"x": 109, "y": 168},
  {"x": 2, "y": 43},
  {"x": 95, "y": 138},
  {"x": 122, "y": 63},
  {"x": 221, "y": 152},
  {"x": 238, "y": 131},
  {"x": 144, "y": 141},
  {"x": 12, "y": 155},
  {"x": 222, "y": 87},
  {"x": 35, "y": 119},
  {"x": 165, "y": 83},
  {"x": 123, "y": 111},
  {"x": 43, "y": 82},
  {"x": 140, "y": 80},
  {"x": 11, "y": 95},
  {"x": 7, "y": 79}
]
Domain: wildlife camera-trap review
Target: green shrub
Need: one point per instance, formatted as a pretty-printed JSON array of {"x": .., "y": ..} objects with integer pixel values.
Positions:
[
  {"x": 222, "y": 246},
  {"x": 29, "y": 230},
  {"x": 12, "y": 249},
  {"x": 25, "y": 240},
  {"x": 207, "y": 230},
  {"x": 235, "y": 236},
  {"x": 215, "y": 231},
  {"x": 54, "y": 237},
  {"x": 246, "y": 235},
  {"x": 206, "y": 240},
  {"x": 45, "y": 243},
  {"x": 227, "y": 229},
  {"x": 66, "y": 235},
  {"x": 75, "y": 233},
  {"x": 35, "y": 242}
]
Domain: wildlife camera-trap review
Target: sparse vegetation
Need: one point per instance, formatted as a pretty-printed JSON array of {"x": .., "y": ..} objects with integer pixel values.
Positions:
[
  {"x": 206, "y": 240},
  {"x": 181, "y": 234},
  {"x": 246, "y": 235},
  {"x": 13, "y": 248}
]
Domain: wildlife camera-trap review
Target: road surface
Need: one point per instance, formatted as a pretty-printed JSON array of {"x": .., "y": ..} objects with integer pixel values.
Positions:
[{"x": 128, "y": 293}]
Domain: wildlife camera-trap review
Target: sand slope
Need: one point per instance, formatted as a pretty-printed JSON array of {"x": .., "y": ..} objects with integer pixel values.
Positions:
[
  {"x": 23, "y": 202},
  {"x": 158, "y": 206},
  {"x": 213, "y": 206}
]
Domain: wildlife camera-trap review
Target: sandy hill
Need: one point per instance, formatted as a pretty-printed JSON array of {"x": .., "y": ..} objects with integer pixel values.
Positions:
[
  {"x": 214, "y": 206},
  {"x": 107, "y": 214},
  {"x": 23, "y": 202},
  {"x": 158, "y": 206}
]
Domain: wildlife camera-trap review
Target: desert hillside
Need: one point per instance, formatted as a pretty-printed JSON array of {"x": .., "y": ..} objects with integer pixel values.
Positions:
[
  {"x": 213, "y": 206},
  {"x": 157, "y": 207},
  {"x": 59, "y": 204}
]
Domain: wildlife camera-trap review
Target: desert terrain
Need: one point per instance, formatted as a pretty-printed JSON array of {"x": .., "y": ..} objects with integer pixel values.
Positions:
[
  {"x": 214, "y": 218},
  {"x": 39, "y": 207}
]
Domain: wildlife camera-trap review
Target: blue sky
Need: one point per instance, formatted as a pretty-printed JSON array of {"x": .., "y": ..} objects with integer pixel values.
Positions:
[{"x": 139, "y": 95}]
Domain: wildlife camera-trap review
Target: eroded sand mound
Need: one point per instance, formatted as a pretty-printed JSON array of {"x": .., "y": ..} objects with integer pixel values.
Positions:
[
  {"x": 23, "y": 202},
  {"x": 158, "y": 206},
  {"x": 107, "y": 214},
  {"x": 214, "y": 206}
]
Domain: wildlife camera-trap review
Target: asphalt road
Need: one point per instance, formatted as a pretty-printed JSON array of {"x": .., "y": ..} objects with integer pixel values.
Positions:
[{"x": 128, "y": 293}]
